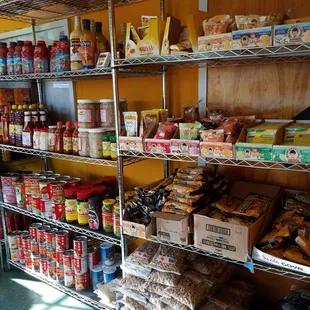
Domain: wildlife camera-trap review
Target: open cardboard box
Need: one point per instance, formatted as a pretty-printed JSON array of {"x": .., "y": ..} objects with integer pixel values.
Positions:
[
  {"x": 232, "y": 240},
  {"x": 184, "y": 147},
  {"x": 258, "y": 151}
]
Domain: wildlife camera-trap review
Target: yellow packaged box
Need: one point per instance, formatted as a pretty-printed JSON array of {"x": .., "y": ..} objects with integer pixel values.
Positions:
[
  {"x": 297, "y": 133},
  {"x": 263, "y": 133},
  {"x": 217, "y": 42}
]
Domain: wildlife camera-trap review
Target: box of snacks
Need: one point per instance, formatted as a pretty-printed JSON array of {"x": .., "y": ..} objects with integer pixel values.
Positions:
[
  {"x": 291, "y": 34},
  {"x": 231, "y": 225},
  {"x": 287, "y": 243}
]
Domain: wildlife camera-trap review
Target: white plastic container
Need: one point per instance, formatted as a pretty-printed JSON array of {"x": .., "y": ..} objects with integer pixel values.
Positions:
[
  {"x": 87, "y": 111},
  {"x": 95, "y": 142},
  {"x": 83, "y": 142}
]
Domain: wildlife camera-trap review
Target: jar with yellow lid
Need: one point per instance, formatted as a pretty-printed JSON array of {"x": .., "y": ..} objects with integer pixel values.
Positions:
[
  {"x": 107, "y": 215},
  {"x": 116, "y": 220},
  {"x": 129, "y": 195}
]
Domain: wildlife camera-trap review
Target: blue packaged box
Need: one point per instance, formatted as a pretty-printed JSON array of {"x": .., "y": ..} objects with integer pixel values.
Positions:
[
  {"x": 291, "y": 34},
  {"x": 256, "y": 37}
]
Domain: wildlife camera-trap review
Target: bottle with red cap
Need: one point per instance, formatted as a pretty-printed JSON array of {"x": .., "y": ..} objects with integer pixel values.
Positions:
[
  {"x": 67, "y": 139},
  {"x": 41, "y": 57},
  {"x": 82, "y": 206},
  {"x": 27, "y": 57},
  {"x": 59, "y": 145},
  {"x": 75, "y": 139},
  {"x": 10, "y": 58},
  {"x": 71, "y": 205}
]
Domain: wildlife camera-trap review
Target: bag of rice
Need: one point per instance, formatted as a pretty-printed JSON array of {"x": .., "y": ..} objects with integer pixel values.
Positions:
[
  {"x": 143, "y": 255},
  {"x": 164, "y": 278},
  {"x": 171, "y": 302},
  {"x": 133, "y": 283},
  {"x": 153, "y": 288},
  {"x": 137, "y": 271}
]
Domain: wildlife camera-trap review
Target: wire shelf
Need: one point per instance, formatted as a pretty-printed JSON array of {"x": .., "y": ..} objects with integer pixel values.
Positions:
[
  {"x": 87, "y": 297},
  {"x": 48, "y": 10},
  {"x": 80, "y": 230}
]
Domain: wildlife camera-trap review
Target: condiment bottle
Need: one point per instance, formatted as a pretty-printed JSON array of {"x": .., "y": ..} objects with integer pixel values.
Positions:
[
  {"x": 18, "y": 64},
  {"x": 63, "y": 54},
  {"x": 76, "y": 59},
  {"x": 35, "y": 117},
  {"x": 19, "y": 124},
  {"x": 27, "y": 57},
  {"x": 27, "y": 135},
  {"x": 75, "y": 139},
  {"x": 3, "y": 58},
  {"x": 82, "y": 206},
  {"x": 40, "y": 57},
  {"x": 59, "y": 138},
  {"x": 12, "y": 125},
  {"x": 51, "y": 138},
  {"x": 88, "y": 46},
  {"x": 44, "y": 139},
  {"x": 43, "y": 120},
  {"x": 10, "y": 58},
  {"x": 53, "y": 56},
  {"x": 94, "y": 215},
  {"x": 106, "y": 147},
  {"x": 36, "y": 138},
  {"x": 67, "y": 139},
  {"x": 71, "y": 208},
  {"x": 101, "y": 41},
  {"x": 107, "y": 215},
  {"x": 116, "y": 220},
  {"x": 5, "y": 120}
]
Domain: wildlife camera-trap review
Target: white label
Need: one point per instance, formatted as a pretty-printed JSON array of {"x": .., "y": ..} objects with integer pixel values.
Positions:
[
  {"x": 60, "y": 85},
  {"x": 51, "y": 139},
  {"x": 103, "y": 115},
  {"x": 85, "y": 115},
  {"x": 36, "y": 142},
  {"x": 75, "y": 50},
  {"x": 165, "y": 259},
  {"x": 26, "y": 138}
]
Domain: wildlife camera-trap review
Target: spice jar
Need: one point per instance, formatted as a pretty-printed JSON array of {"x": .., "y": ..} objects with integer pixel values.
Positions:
[
  {"x": 44, "y": 139},
  {"x": 83, "y": 142},
  {"x": 94, "y": 216},
  {"x": 82, "y": 206},
  {"x": 106, "y": 146},
  {"x": 71, "y": 205},
  {"x": 116, "y": 220},
  {"x": 95, "y": 142},
  {"x": 113, "y": 152},
  {"x": 107, "y": 215},
  {"x": 36, "y": 138},
  {"x": 86, "y": 110},
  {"x": 51, "y": 138}
]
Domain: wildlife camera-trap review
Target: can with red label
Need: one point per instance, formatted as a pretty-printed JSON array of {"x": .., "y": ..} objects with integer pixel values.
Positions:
[
  {"x": 12, "y": 239},
  {"x": 69, "y": 278},
  {"x": 58, "y": 209},
  {"x": 81, "y": 281},
  {"x": 27, "y": 243},
  {"x": 43, "y": 185},
  {"x": 59, "y": 257},
  {"x": 35, "y": 247},
  {"x": 50, "y": 238},
  {"x": 51, "y": 269},
  {"x": 28, "y": 261},
  {"x": 74, "y": 182},
  {"x": 14, "y": 255},
  {"x": 43, "y": 249},
  {"x": 46, "y": 208},
  {"x": 9, "y": 179},
  {"x": 41, "y": 233},
  {"x": 60, "y": 274},
  {"x": 68, "y": 259},
  {"x": 21, "y": 256},
  {"x": 58, "y": 191},
  {"x": 36, "y": 263},
  {"x": 27, "y": 187},
  {"x": 51, "y": 253},
  {"x": 20, "y": 194},
  {"x": 80, "y": 265},
  {"x": 35, "y": 194},
  {"x": 33, "y": 230},
  {"x": 19, "y": 238},
  {"x": 62, "y": 240},
  {"x": 80, "y": 246},
  {"x": 44, "y": 266},
  {"x": 93, "y": 259}
]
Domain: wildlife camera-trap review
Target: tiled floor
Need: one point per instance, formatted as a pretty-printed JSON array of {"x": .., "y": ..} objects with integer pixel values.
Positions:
[{"x": 22, "y": 292}]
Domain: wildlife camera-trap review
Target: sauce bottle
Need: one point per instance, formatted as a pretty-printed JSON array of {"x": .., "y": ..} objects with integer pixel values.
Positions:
[
  {"x": 1, "y": 132},
  {"x": 59, "y": 138},
  {"x": 12, "y": 125},
  {"x": 27, "y": 57},
  {"x": 19, "y": 124},
  {"x": 76, "y": 59},
  {"x": 53, "y": 56},
  {"x": 82, "y": 206},
  {"x": 88, "y": 46},
  {"x": 102, "y": 45},
  {"x": 3, "y": 58},
  {"x": 18, "y": 68},
  {"x": 40, "y": 57},
  {"x": 75, "y": 139},
  {"x": 10, "y": 58},
  {"x": 67, "y": 139},
  {"x": 27, "y": 135},
  {"x": 5, "y": 120},
  {"x": 43, "y": 119},
  {"x": 35, "y": 117},
  {"x": 63, "y": 54}
]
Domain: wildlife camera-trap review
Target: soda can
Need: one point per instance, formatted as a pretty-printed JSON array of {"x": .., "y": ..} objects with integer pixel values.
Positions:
[
  {"x": 58, "y": 210},
  {"x": 60, "y": 274},
  {"x": 62, "y": 240},
  {"x": 42, "y": 249},
  {"x": 44, "y": 266},
  {"x": 46, "y": 208},
  {"x": 12, "y": 239},
  {"x": 27, "y": 243},
  {"x": 36, "y": 263},
  {"x": 41, "y": 233},
  {"x": 68, "y": 259},
  {"x": 14, "y": 255},
  {"x": 33, "y": 230},
  {"x": 58, "y": 191},
  {"x": 69, "y": 278},
  {"x": 50, "y": 238},
  {"x": 80, "y": 265},
  {"x": 35, "y": 247},
  {"x": 59, "y": 257},
  {"x": 51, "y": 253},
  {"x": 81, "y": 281},
  {"x": 52, "y": 269},
  {"x": 20, "y": 194},
  {"x": 80, "y": 246},
  {"x": 28, "y": 262}
]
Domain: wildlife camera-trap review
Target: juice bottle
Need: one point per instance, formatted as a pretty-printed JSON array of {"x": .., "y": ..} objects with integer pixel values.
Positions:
[
  {"x": 76, "y": 60},
  {"x": 3, "y": 58},
  {"x": 12, "y": 125},
  {"x": 18, "y": 68},
  {"x": 5, "y": 120},
  {"x": 75, "y": 139},
  {"x": 63, "y": 54},
  {"x": 67, "y": 139},
  {"x": 10, "y": 58},
  {"x": 27, "y": 135},
  {"x": 59, "y": 138},
  {"x": 27, "y": 58},
  {"x": 102, "y": 45},
  {"x": 40, "y": 57},
  {"x": 88, "y": 46},
  {"x": 53, "y": 57}
]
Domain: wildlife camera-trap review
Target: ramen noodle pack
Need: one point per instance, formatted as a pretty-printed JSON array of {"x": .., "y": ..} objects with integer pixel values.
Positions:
[
  {"x": 257, "y": 37},
  {"x": 292, "y": 34}
]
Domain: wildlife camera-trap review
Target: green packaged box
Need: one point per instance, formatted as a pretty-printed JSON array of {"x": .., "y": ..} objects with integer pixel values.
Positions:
[
  {"x": 297, "y": 133},
  {"x": 291, "y": 154},
  {"x": 247, "y": 151}
]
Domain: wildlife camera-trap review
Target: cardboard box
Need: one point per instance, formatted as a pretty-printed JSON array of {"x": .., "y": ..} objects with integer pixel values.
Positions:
[
  {"x": 298, "y": 132},
  {"x": 216, "y": 149},
  {"x": 134, "y": 144},
  {"x": 291, "y": 34},
  {"x": 214, "y": 43},
  {"x": 174, "y": 228},
  {"x": 256, "y": 37},
  {"x": 171, "y": 34},
  {"x": 138, "y": 230},
  {"x": 231, "y": 240}
]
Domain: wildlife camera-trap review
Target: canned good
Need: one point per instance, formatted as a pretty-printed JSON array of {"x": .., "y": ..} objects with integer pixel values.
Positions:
[
  {"x": 81, "y": 281},
  {"x": 43, "y": 185},
  {"x": 80, "y": 246},
  {"x": 69, "y": 278},
  {"x": 74, "y": 182},
  {"x": 19, "y": 238},
  {"x": 107, "y": 253},
  {"x": 35, "y": 247},
  {"x": 58, "y": 191},
  {"x": 33, "y": 230},
  {"x": 62, "y": 240},
  {"x": 58, "y": 210},
  {"x": 59, "y": 257},
  {"x": 97, "y": 275},
  {"x": 80, "y": 265},
  {"x": 41, "y": 233},
  {"x": 20, "y": 194},
  {"x": 68, "y": 260},
  {"x": 14, "y": 255},
  {"x": 50, "y": 238},
  {"x": 35, "y": 205},
  {"x": 27, "y": 243},
  {"x": 28, "y": 262},
  {"x": 12, "y": 240},
  {"x": 9, "y": 179},
  {"x": 21, "y": 256},
  {"x": 44, "y": 266},
  {"x": 43, "y": 249},
  {"x": 109, "y": 274},
  {"x": 35, "y": 194},
  {"x": 93, "y": 259},
  {"x": 52, "y": 269},
  {"x": 51, "y": 253},
  {"x": 46, "y": 208},
  {"x": 36, "y": 262},
  {"x": 60, "y": 274}
]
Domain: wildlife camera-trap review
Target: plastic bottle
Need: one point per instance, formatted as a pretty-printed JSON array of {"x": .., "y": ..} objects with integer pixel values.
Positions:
[
  {"x": 76, "y": 59},
  {"x": 10, "y": 58},
  {"x": 18, "y": 68},
  {"x": 63, "y": 54},
  {"x": 67, "y": 139},
  {"x": 27, "y": 136},
  {"x": 5, "y": 120},
  {"x": 19, "y": 124},
  {"x": 75, "y": 139},
  {"x": 35, "y": 117},
  {"x": 53, "y": 56},
  {"x": 40, "y": 57},
  {"x": 59, "y": 138},
  {"x": 88, "y": 46},
  {"x": 43, "y": 119},
  {"x": 3, "y": 58},
  {"x": 12, "y": 125},
  {"x": 27, "y": 58},
  {"x": 102, "y": 45}
]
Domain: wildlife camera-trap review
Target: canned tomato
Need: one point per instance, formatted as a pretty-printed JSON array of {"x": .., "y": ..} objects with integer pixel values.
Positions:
[
  {"x": 27, "y": 243},
  {"x": 33, "y": 230},
  {"x": 14, "y": 255},
  {"x": 68, "y": 260},
  {"x": 35, "y": 187},
  {"x": 69, "y": 278},
  {"x": 74, "y": 182},
  {"x": 27, "y": 188},
  {"x": 60, "y": 274},
  {"x": 50, "y": 238},
  {"x": 80, "y": 246},
  {"x": 35, "y": 205},
  {"x": 80, "y": 265},
  {"x": 28, "y": 262},
  {"x": 51, "y": 269},
  {"x": 12, "y": 240},
  {"x": 58, "y": 210},
  {"x": 59, "y": 257},
  {"x": 81, "y": 281},
  {"x": 20, "y": 194},
  {"x": 34, "y": 247},
  {"x": 51, "y": 253},
  {"x": 46, "y": 208},
  {"x": 93, "y": 257},
  {"x": 41, "y": 233},
  {"x": 44, "y": 266},
  {"x": 58, "y": 191},
  {"x": 42, "y": 249},
  {"x": 62, "y": 240},
  {"x": 36, "y": 262},
  {"x": 9, "y": 179}
]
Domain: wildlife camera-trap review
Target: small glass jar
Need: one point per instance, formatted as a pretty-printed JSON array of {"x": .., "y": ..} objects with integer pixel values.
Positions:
[
  {"x": 83, "y": 142},
  {"x": 71, "y": 205},
  {"x": 86, "y": 110},
  {"x": 113, "y": 151},
  {"x": 51, "y": 138},
  {"x": 44, "y": 139},
  {"x": 107, "y": 215},
  {"x": 82, "y": 206},
  {"x": 116, "y": 220},
  {"x": 106, "y": 146},
  {"x": 36, "y": 138},
  {"x": 95, "y": 142}
]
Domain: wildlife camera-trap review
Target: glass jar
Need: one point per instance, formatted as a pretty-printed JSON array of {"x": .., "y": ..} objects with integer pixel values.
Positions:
[
  {"x": 86, "y": 110},
  {"x": 107, "y": 215},
  {"x": 36, "y": 138},
  {"x": 44, "y": 139},
  {"x": 51, "y": 138},
  {"x": 113, "y": 144},
  {"x": 106, "y": 145},
  {"x": 116, "y": 220},
  {"x": 83, "y": 142},
  {"x": 71, "y": 205},
  {"x": 95, "y": 142},
  {"x": 94, "y": 216},
  {"x": 82, "y": 206}
]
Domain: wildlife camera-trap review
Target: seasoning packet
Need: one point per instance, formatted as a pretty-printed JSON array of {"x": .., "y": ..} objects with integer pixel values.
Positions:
[
  {"x": 190, "y": 131},
  {"x": 131, "y": 123}
]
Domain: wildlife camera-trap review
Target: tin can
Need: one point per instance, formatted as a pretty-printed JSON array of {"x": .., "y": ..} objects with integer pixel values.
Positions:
[
  {"x": 74, "y": 182},
  {"x": 50, "y": 172},
  {"x": 14, "y": 255},
  {"x": 19, "y": 238},
  {"x": 27, "y": 243},
  {"x": 51, "y": 253},
  {"x": 35, "y": 205},
  {"x": 58, "y": 191},
  {"x": 55, "y": 175},
  {"x": 80, "y": 265},
  {"x": 50, "y": 238},
  {"x": 10, "y": 222},
  {"x": 21, "y": 256},
  {"x": 93, "y": 257},
  {"x": 109, "y": 274},
  {"x": 12, "y": 240},
  {"x": 27, "y": 188},
  {"x": 42, "y": 249},
  {"x": 41, "y": 233},
  {"x": 33, "y": 230},
  {"x": 35, "y": 247},
  {"x": 51, "y": 269},
  {"x": 81, "y": 281},
  {"x": 28, "y": 262},
  {"x": 46, "y": 208},
  {"x": 58, "y": 210},
  {"x": 59, "y": 257},
  {"x": 9, "y": 179},
  {"x": 107, "y": 253},
  {"x": 60, "y": 274},
  {"x": 69, "y": 278},
  {"x": 20, "y": 194},
  {"x": 97, "y": 275},
  {"x": 62, "y": 240},
  {"x": 44, "y": 266},
  {"x": 43, "y": 186},
  {"x": 80, "y": 246},
  {"x": 68, "y": 259},
  {"x": 36, "y": 262},
  {"x": 35, "y": 195}
]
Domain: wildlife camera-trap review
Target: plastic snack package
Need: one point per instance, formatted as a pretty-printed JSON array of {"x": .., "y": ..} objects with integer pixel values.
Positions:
[
  {"x": 203, "y": 264},
  {"x": 149, "y": 118},
  {"x": 177, "y": 208},
  {"x": 212, "y": 135},
  {"x": 132, "y": 304},
  {"x": 189, "y": 177},
  {"x": 191, "y": 113},
  {"x": 189, "y": 131},
  {"x": 250, "y": 21},
  {"x": 143, "y": 255},
  {"x": 216, "y": 25},
  {"x": 294, "y": 254},
  {"x": 194, "y": 171},
  {"x": 164, "y": 278},
  {"x": 227, "y": 204},
  {"x": 183, "y": 190},
  {"x": 217, "y": 114},
  {"x": 196, "y": 184},
  {"x": 155, "y": 300},
  {"x": 131, "y": 123},
  {"x": 229, "y": 125},
  {"x": 165, "y": 131},
  {"x": 191, "y": 200},
  {"x": 139, "y": 297}
]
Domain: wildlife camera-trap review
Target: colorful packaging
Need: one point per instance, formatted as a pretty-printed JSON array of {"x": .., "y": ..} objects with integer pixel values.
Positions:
[
  {"x": 258, "y": 37},
  {"x": 291, "y": 34}
]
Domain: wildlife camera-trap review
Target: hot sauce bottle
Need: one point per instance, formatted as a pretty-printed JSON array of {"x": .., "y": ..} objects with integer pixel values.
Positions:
[
  {"x": 75, "y": 139},
  {"x": 27, "y": 135},
  {"x": 67, "y": 139},
  {"x": 59, "y": 138},
  {"x": 5, "y": 121},
  {"x": 88, "y": 46}
]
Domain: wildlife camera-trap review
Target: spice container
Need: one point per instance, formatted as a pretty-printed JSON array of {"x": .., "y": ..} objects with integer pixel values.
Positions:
[
  {"x": 83, "y": 207},
  {"x": 106, "y": 147},
  {"x": 44, "y": 139},
  {"x": 107, "y": 215},
  {"x": 51, "y": 138},
  {"x": 113, "y": 151},
  {"x": 107, "y": 116},
  {"x": 94, "y": 216},
  {"x": 71, "y": 205},
  {"x": 95, "y": 142},
  {"x": 86, "y": 110},
  {"x": 116, "y": 220},
  {"x": 83, "y": 142},
  {"x": 36, "y": 138}
]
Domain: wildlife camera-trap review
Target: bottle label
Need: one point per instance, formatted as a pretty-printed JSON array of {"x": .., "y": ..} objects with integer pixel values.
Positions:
[
  {"x": 18, "y": 129},
  {"x": 103, "y": 115},
  {"x": 3, "y": 66},
  {"x": 18, "y": 65},
  {"x": 106, "y": 147},
  {"x": 53, "y": 64},
  {"x": 10, "y": 65},
  {"x": 26, "y": 136},
  {"x": 84, "y": 115},
  {"x": 1, "y": 131},
  {"x": 83, "y": 211},
  {"x": 88, "y": 54},
  {"x": 34, "y": 117},
  {"x": 67, "y": 144},
  {"x": 36, "y": 141},
  {"x": 62, "y": 61},
  {"x": 75, "y": 145},
  {"x": 75, "y": 50},
  {"x": 93, "y": 220},
  {"x": 40, "y": 65},
  {"x": 27, "y": 65},
  {"x": 12, "y": 129},
  {"x": 51, "y": 140},
  {"x": 71, "y": 210}
]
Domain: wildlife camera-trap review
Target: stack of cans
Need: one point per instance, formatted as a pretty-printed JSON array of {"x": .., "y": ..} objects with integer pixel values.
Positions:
[
  {"x": 80, "y": 263},
  {"x": 13, "y": 245},
  {"x": 62, "y": 244},
  {"x": 8, "y": 182},
  {"x": 68, "y": 265}
]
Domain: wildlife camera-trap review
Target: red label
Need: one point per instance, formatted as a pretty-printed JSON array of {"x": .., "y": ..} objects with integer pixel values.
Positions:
[{"x": 58, "y": 211}]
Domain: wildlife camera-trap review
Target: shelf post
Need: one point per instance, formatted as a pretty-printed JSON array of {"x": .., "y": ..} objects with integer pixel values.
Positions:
[
  {"x": 5, "y": 238},
  {"x": 120, "y": 163}
]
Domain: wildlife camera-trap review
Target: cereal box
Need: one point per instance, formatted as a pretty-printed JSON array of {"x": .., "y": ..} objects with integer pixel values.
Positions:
[
  {"x": 247, "y": 38},
  {"x": 292, "y": 34}
]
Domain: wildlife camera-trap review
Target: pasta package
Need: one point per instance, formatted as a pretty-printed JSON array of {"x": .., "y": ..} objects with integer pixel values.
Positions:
[
  {"x": 191, "y": 200},
  {"x": 177, "y": 208},
  {"x": 188, "y": 177},
  {"x": 194, "y": 170}
]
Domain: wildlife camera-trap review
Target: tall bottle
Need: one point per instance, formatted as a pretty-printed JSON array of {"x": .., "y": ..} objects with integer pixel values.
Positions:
[
  {"x": 5, "y": 120},
  {"x": 67, "y": 139},
  {"x": 3, "y": 58},
  {"x": 27, "y": 58},
  {"x": 27, "y": 135},
  {"x": 59, "y": 145},
  {"x": 63, "y": 54},
  {"x": 12, "y": 125},
  {"x": 18, "y": 68},
  {"x": 10, "y": 58},
  {"x": 75, "y": 139},
  {"x": 19, "y": 125},
  {"x": 102, "y": 45},
  {"x": 88, "y": 46},
  {"x": 53, "y": 56},
  {"x": 75, "y": 44}
]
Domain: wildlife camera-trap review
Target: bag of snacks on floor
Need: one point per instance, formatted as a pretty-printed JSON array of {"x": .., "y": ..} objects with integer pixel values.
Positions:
[
  {"x": 143, "y": 255},
  {"x": 164, "y": 278},
  {"x": 134, "y": 305},
  {"x": 155, "y": 300},
  {"x": 168, "y": 259}
]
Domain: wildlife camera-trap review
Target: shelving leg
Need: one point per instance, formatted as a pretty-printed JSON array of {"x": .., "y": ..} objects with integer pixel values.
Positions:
[{"x": 5, "y": 239}]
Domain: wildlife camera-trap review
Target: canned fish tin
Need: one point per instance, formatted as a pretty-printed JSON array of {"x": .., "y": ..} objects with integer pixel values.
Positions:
[
  {"x": 60, "y": 274},
  {"x": 109, "y": 274},
  {"x": 58, "y": 191},
  {"x": 35, "y": 247},
  {"x": 14, "y": 255},
  {"x": 20, "y": 194},
  {"x": 107, "y": 253},
  {"x": 80, "y": 246},
  {"x": 80, "y": 265},
  {"x": 44, "y": 266},
  {"x": 62, "y": 240},
  {"x": 52, "y": 269},
  {"x": 33, "y": 230},
  {"x": 81, "y": 281},
  {"x": 46, "y": 208},
  {"x": 27, "y": 243},
  {"x": 36, "y": 263},
  {"x": 97, "y": 275},
  {"x": 68, "y": 259},
  {"x": 50, "y": 238},
  {"x": 58, "y": 210},
  {"x": 12, "y": 240},
  {"x": 69, "y": 278},
  {"x": 42, "y": 249},
  {"x": 59, "y": 257}
]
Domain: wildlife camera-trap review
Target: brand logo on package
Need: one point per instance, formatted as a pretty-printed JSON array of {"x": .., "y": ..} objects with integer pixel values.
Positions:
[
  {"x": 218, "y": 230},
  {"x": 219, "y": 245},
  {"x": 164, "y": 234}
]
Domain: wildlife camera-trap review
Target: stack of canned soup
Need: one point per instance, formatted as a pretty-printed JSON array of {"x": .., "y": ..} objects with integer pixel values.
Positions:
[{"x": 80, "y": 263}]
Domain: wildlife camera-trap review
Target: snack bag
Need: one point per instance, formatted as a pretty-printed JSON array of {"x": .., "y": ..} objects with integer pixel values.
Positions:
[{"x": 216, "y": 25}]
